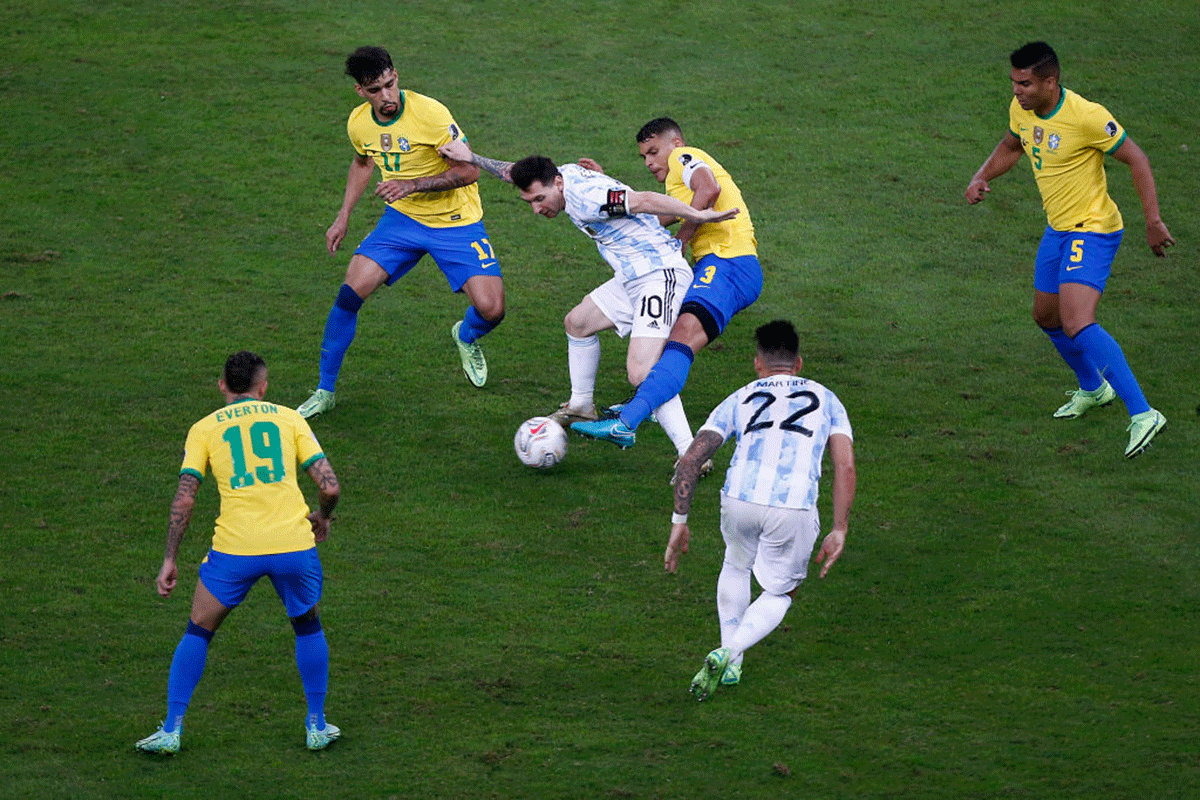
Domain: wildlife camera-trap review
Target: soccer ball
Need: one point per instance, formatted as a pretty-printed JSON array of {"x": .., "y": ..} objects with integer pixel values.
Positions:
[{"x": 540, "y": 442}]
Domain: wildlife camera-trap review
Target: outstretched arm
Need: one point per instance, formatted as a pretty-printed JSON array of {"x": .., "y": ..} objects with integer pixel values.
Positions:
[
  {"x": 1006, "y": 154},
  {"x": 686, "y": 475},
  {"x": 1157, "y": 235},
  {"x": 328, "y": 491},
  {"x": 665, "y": 205},
  {"x": 705, "y": 191},
  {"x": 845, "y": 481},
  {"x": 181, "y": 515},
  {"x": 361, "y": 169},
  {"x": 458, "y": 150}
]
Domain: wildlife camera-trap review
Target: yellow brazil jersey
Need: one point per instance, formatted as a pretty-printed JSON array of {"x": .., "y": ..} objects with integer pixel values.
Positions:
[
  {"x": 728, "y": 239},
  {"x": 406, "y": 148},
  {"x": 1067, "y": 149},
  {"x": 253, "y": 449}
]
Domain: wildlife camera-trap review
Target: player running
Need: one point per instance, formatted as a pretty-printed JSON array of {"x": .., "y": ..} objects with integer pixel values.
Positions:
[
  {"x": 1066, "y": 138},
  {"x": 783, "y": 424}
]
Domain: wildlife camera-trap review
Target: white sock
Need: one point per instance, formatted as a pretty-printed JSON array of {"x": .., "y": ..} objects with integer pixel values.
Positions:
[
  {"x": 733, "y": 597},
  {"x": 583, "y": 359},
  {"x": 674, "y": 422},
  {"x": 762, "y": 617}
]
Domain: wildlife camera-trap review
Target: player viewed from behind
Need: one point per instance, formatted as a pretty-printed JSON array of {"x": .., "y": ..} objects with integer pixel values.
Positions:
[
  {"x": 1066, "y": 138},
  {"x": 727, "y": 278},
  {"x": 432, "y": 207},
  {"x": 264, "y": 529},
  {"x": 650, "y": 273},
  {"x": 783, "y": 424}
]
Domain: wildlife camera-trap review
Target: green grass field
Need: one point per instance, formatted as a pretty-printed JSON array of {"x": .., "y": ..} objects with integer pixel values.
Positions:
[{"x": 1015, "y": 612}]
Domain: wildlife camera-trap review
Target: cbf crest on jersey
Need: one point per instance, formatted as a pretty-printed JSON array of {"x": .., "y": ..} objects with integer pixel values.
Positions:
[
  {"x": 404, "y": 145},
  {"x": 385, "y": 142},
  {"x": 1053, "y": 141}
]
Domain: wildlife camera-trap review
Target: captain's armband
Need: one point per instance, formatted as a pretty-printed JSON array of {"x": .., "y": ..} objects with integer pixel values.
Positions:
[{"x": 617, "y": 205}]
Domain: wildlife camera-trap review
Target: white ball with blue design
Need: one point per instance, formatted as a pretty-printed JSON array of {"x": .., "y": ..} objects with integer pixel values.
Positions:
[{"x": 540, "y": 442}]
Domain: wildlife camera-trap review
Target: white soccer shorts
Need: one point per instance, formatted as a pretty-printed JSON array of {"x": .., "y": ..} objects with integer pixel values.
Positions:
[
  {"x": 777, "y": 542},
  {"x": 646, "y": 307}
]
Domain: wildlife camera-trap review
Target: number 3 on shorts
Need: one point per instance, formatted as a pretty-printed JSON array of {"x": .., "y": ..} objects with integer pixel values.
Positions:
[{"x": 710, "y": 272}]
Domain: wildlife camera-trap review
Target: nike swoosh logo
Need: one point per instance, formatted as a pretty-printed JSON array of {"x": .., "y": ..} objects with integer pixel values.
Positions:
[
  {"x": 485, "y": 266},
  {"x": 1077, "y": 266}
]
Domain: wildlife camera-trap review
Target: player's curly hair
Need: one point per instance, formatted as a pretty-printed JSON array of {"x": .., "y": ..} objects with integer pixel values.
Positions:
[
  {"x": 778, "y": 341},
  {"x": 367, "y": 63},
  {"x": 243, "y": 370},
  {"x": 533, "y": 168}
]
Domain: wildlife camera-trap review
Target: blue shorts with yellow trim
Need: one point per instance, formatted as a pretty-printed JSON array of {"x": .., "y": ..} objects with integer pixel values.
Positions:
[
  {"x": 1074, "y": 257},
  {"x": 297, "y": 577},
  {"x": 399, "y": 241},
  {"x": 723, "y": 287}
]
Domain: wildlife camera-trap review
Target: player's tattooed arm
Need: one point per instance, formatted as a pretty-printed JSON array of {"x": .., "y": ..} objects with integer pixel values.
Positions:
[
  {"x": 459, "y": 150},
  {"x": 328, "y": 487},
  {"x": 181, "y": 513},
  {"x": 688, "y": 472},
  {"x": 501, "y": 169}
]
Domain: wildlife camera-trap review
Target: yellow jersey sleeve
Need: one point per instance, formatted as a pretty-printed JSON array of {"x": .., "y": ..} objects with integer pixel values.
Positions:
[
  {"x": 1066, "y": 150},
  {"x": 255, "y": 450},
  {"x": 728, "y": 239},
  {"x": 406, "y": 148}
]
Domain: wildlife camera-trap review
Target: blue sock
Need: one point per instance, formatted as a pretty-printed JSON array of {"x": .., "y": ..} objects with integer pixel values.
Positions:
[
  {"x": 475, "y": 326},
  {"x": 312, "y": 659},
  {"x": 187, "y": 667},
  {"x": 1077, "y": 360},
  {"x": 1103, "y": 351},
  {"x": 664, "y": 381},
  {"x": 339, "y": 333}
]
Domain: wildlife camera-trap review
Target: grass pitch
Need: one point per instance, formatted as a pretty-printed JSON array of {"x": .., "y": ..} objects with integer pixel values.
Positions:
[{"x": 1014, "y": 615}]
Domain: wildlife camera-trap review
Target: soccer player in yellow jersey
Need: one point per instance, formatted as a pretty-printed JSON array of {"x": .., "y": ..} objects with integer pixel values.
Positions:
[
  {"x": 432, "y": 208},
  {"x": 252, "y": 448},
  {"x": 727, "y": 275},
  {"x": 1066, "y": 139}
]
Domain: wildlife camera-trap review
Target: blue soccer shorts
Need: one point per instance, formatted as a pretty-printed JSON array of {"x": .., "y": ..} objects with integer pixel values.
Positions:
[
  {"x": 297, "y": 577},
  {"x": 399, "y": 241},
  {"x": 722, "y": 287},
  {"x": 1074, "y": 257}
]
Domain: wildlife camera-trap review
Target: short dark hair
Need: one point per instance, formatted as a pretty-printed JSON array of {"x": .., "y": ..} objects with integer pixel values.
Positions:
[
  {"x": 367, "y": 63},
  {"x": 243, "y": 370},
  {"x": 778, "y": 342},
  {"x": 1037, "y": 56},
  {"x": 658, "y": 126},
  {"x": 533, "y": 168}
]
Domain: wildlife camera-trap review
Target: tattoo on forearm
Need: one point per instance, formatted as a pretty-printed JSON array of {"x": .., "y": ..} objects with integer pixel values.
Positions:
[
  {"x": 442, "y": 182},
  {"x": 702, "y": 449},
  {"x": 327, "y": 485},
  {"x": 181, "y": 513},
  {"x": 501, "y": 169}
]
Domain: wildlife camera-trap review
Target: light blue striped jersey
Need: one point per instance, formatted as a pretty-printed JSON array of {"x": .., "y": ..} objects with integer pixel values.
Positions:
[
  {"x": 782, "y": 424},
  {"x": 634, "y": 245}
]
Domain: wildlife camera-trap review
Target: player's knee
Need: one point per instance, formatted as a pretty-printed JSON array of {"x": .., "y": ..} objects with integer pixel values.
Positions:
[{"x": 307, "y": 623}]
